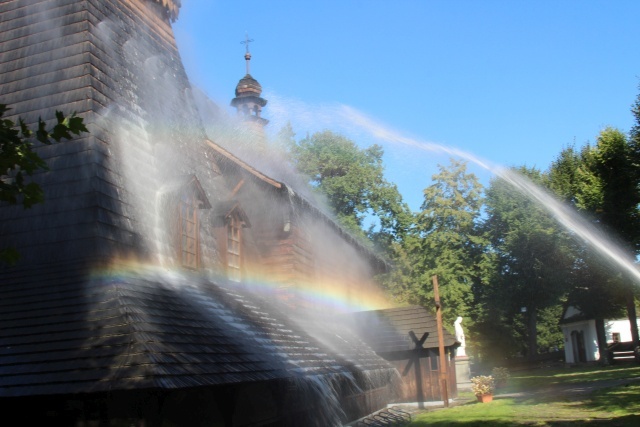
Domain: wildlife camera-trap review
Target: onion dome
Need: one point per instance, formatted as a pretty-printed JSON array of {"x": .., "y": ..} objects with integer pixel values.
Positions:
[{"x": 248, "y": 86}]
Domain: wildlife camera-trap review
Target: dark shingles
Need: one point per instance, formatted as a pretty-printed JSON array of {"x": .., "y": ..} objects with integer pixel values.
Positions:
[{"x": 120, "y": 331}]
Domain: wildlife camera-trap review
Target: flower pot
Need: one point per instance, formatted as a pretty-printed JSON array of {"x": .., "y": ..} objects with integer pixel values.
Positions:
[{"x": 484, "y": 398}]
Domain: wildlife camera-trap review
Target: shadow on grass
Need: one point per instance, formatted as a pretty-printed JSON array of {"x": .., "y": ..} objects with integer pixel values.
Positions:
[
  {"x": 624, "y": 398},
  {"x": 617, "y": 406},
  {"x": 560, "y": 398},
  {"x": 625, "y": 421},
  {"x": 572, "y": 375}
]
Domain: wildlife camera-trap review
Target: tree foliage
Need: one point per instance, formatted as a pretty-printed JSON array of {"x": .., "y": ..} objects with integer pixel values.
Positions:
[
  {"x": 531, "y": 261},
  {"x": 634, "y": 134},
  {"x": 445, "y": 242},
  {"x": 19, "y": 160},
  {"x": 571, "y": 179},
  {"x": 352, "y": 179},
  {"x": 610, "y": 196},
  {"x": 615, "y": 162},
  {"x": 451, "y": 243}
]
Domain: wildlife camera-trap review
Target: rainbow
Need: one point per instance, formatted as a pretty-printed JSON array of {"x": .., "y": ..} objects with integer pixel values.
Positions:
[{"x": 327, "y": 296}]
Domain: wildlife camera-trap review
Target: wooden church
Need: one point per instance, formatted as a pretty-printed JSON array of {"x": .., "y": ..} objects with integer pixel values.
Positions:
[
  {"x": 133, "y": 302},
  {"x": 167, "y": 279}
]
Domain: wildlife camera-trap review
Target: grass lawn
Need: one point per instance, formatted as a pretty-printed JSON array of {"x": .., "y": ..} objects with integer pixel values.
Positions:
[{"x": 545, "y": 404}]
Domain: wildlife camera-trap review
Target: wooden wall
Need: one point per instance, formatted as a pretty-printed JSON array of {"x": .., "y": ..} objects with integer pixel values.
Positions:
[
  {"x": 116, "y": 64},
  {"x": 430, "y": 371}
]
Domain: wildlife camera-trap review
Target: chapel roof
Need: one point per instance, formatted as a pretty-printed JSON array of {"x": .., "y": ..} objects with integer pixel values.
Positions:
[{"x": 388, "y": 330}]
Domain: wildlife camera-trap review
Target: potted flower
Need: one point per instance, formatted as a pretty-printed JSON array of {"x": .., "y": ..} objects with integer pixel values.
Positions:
[
  {"x": 483, "y": 386},
  {"x": 500, "y": 376}
]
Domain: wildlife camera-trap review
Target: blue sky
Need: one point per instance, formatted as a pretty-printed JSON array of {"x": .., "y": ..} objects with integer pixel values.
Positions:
[{"x": 513, "y": 82}]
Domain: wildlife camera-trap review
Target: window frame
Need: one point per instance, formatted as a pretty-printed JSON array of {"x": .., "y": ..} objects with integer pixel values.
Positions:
[
  {"x": 186, "y": 199},
  {"x": 234, "y": 248},
  {"x": 189, "y": 232}
]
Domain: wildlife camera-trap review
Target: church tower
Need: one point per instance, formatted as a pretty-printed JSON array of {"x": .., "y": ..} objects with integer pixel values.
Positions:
[
  {"x": 116, "y": 64},
  {"x": 248, "y": 102}
]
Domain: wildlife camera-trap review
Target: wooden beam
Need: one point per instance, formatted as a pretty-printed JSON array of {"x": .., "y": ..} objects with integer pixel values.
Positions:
[
  {"x": 243, "y": 165},
  {"x": 237, "y": 188},
  {"x": 443, "y": 362}
]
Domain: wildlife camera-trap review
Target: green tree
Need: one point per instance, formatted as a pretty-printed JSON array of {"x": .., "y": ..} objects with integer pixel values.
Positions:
[
  {"x": 352, "y": 179},
  {"x": 531, "y": 262},
  {"x": 19, "y": 160},
  {"x": 615, "y": 163},
  {"x": 577, "y": 178},
  {"x": 573, "y": 181},
  {"x": 634, "y": 134},
  {"x": 605, "y": 184},
  {"x": 445, "y": 242}
]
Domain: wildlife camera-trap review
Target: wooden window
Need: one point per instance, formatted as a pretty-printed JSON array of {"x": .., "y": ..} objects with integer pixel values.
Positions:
[
  {"x": 434, "y": 358},
  {"x": 230, "y": 234},
  {"x": 234, "y": 248},
  {"x": 183, "y": 205},
  {"x": 189, "y": 232}
]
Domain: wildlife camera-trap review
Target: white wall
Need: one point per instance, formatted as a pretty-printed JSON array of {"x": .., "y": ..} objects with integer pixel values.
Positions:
[
  {"x": 588, "y": 328},
  {"x": 620, "y": 326}
]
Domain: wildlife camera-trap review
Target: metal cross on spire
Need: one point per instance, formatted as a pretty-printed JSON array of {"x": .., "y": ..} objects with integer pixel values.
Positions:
[
  {"x": 247, "y": 55},
  {"x": 246, "y": 41}
]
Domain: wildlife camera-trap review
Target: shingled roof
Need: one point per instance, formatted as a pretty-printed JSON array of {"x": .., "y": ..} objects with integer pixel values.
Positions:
[
  {"x": 152, "y": 330},
  {"x": 387, "y": 331}
]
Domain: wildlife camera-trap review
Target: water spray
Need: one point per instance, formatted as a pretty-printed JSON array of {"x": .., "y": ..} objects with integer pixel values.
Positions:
[{"x": 566, "y": 216}]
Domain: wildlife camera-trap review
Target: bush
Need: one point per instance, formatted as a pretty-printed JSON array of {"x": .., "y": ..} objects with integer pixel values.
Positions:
[
  {"x": 482, "y": 384},
  {"x": 500, "y": 375}
]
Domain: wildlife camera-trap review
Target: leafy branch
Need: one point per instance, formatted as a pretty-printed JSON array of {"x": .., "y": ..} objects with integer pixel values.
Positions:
[{"x": 18, "y": 159}]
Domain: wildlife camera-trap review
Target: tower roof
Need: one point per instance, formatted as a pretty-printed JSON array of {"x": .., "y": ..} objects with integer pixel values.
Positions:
[{"x": 248, "y": 86}]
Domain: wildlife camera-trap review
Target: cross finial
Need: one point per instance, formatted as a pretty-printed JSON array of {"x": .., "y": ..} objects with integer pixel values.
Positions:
[
  {"x": 247, "y": 55},
  {"x": 246, "y": 41}
]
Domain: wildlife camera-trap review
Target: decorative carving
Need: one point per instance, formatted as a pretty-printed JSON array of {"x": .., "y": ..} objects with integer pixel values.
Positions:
[{"x": 172, "y": 7}]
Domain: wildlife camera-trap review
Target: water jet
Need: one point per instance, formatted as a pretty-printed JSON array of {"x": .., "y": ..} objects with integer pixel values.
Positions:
[{"x": 569, "y": 218}]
